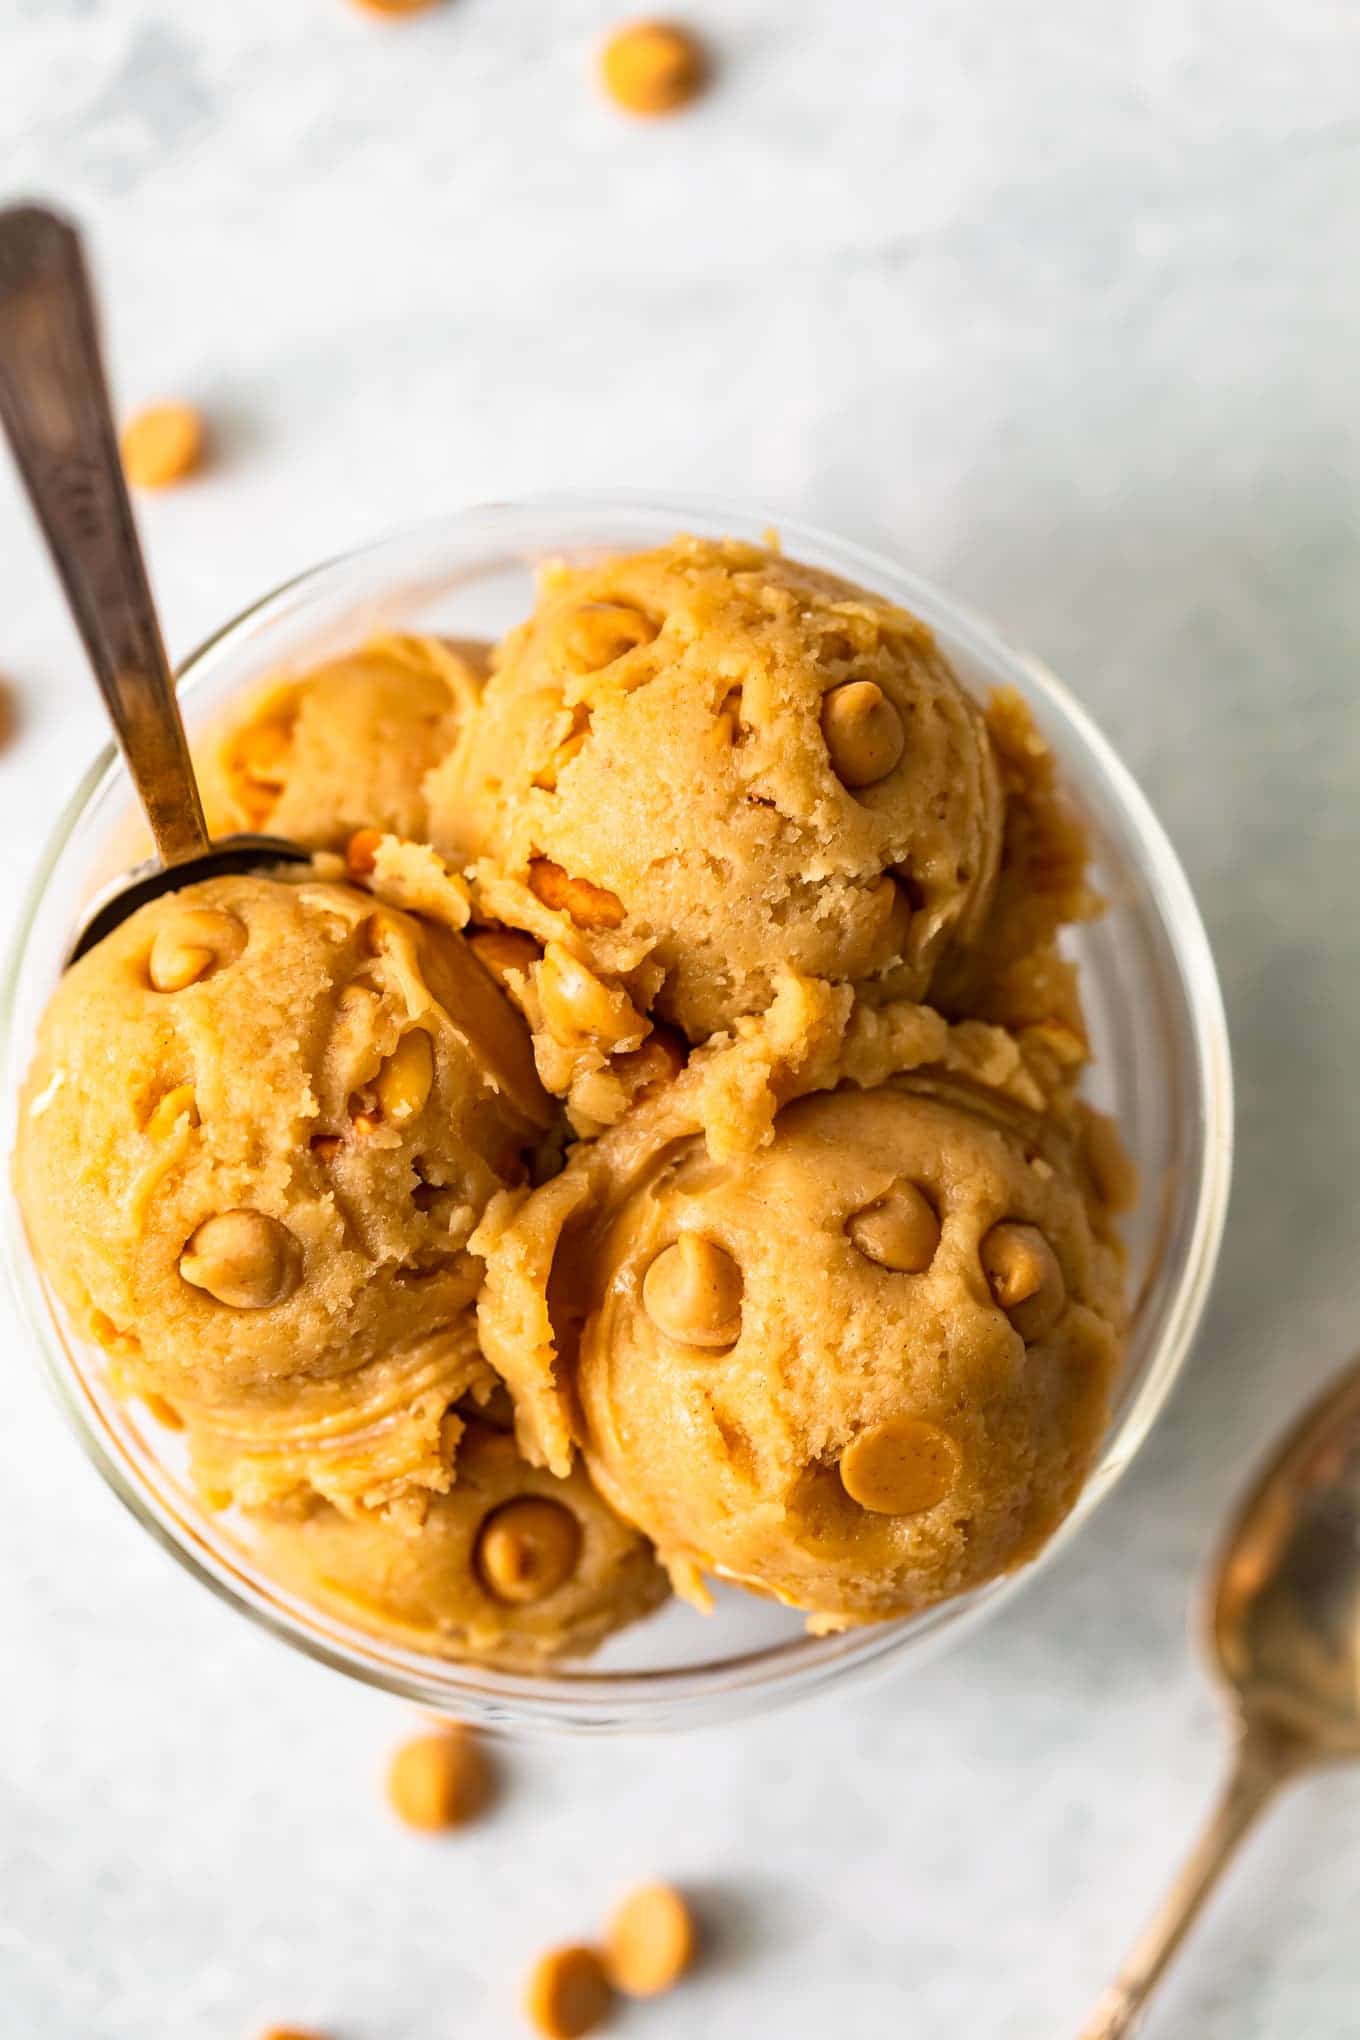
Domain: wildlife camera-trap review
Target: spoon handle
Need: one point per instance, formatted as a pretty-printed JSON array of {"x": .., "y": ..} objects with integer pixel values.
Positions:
[
  {"x": 54, "y": 405},
  {"x": 1265, "y": 1760}
]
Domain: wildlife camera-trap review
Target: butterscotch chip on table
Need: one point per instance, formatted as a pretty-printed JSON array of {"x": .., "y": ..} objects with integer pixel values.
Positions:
[
  {"x": 393, "y": 8},
  {"x": 568, "y": 1993},
  {"x": 650, "y": 1941},
  {"x": 162, "y": 445},
  {"x": 440, "y": 1781},
  {"x": 653, "y": 67},
  {"x": 291, "y": 2033}
]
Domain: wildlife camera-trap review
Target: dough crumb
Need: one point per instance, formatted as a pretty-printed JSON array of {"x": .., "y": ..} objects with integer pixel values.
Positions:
[
  {"x": 162, "y": 445},
  {"x": 653, "y": 67},
  {"x": 650, "y": 1940},
  {"x": 568, "y": 1993},
  {"x": 440, "y": 1781}
]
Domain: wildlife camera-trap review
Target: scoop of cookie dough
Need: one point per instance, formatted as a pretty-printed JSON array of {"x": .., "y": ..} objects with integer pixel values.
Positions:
[
  {"x": 861, "y": 1370},
  {"x": 510, "y": 1567},
  {"x": 261, "y": 1123},
  {"x": 344, "y": 747},
  {"x": 696, "y": 765}
]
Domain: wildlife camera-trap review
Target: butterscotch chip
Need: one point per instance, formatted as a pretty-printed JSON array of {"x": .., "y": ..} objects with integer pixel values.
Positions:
[
  {"x": 191, "y": 945},
  {"x": 653, "y": 67},
  {"x": 900, "y": 1467},
  {"x": 169, "y": 1109},
  {"x": 527, "y": 1548},
  {"x": 361, "y": 852},
  {"x": 590, "y": 906},
  {"x": 405, "y": 1081},
  {"x": 650, "y": 1941},
  {"x": 9, "y": 714},
  {"x": 692, "y": 1293},
  {"x": 898, "y": 1231},
  {"x": 396, "y": 7},
  {"x": 863, "y": 731},
  {"x": 1024, "y": 1276},
  {"x": 244, "y": 1259},
  {"x": 576, "y": 1003},
  {"x": 290, "y": 2033},
  {"x": 439, "y": 1781},
  {"x": 165, "y": 1413},
  {"x": 659, "y": 1061},
  {"x": 504, "y": 951},
  {"x": 599, "y": 632},
  {"x": 568, "y": 1993},
  {"x": 162, "y": 445}
]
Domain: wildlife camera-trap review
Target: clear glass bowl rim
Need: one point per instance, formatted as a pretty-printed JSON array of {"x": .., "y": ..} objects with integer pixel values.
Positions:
[{"x": 589, "y": 1701}]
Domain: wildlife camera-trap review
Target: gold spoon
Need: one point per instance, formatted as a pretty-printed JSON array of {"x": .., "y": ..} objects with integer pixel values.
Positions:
[
  {"x": 54, "y": 405},
  {"x": 1283, "y": 1623}
]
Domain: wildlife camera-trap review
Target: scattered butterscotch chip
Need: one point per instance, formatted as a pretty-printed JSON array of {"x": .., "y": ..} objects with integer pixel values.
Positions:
[
  {"x": 568, "y": 1993},
  {"x": 653, "y": 67},
  {"x": 396, "y": 7},
  {"x": 162, "y": 445},
  {"x": 650, "y": 1941},
  {"x": 439, "y": 1781},
  {"x": 290, "y": 2033}
]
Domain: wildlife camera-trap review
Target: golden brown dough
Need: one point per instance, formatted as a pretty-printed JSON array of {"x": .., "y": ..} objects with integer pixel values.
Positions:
[
  {"x": 765, "y": 911},
  {"x": 862, "y": 1369},
  {"x": 695, "y": 765},
  {"x": 259, "y": 1183},
  {"x": 428, "y": 1587},
  {"x": 343, "y": 747}
]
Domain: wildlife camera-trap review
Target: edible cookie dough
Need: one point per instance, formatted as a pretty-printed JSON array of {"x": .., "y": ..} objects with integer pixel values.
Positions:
[
  {"x": 695, "y": 764},
  {"x": 344, "y": 747},
  {"x": 862, "y": 1369},
  {"x": 658, "y": 1133},
  {"x": 261, "y": 1124},
  {"x": 511, "y": 1567}
]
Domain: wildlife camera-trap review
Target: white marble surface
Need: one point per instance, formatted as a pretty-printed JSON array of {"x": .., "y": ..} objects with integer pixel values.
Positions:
[{"x": 1057, "y": 299}]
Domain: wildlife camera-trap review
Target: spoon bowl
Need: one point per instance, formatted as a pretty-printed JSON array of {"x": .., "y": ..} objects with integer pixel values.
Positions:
[
  {"x": 1283, "y": 1634},
  {"x": 151, "y": 880},
  {"x": 1284, "y": 1615}
]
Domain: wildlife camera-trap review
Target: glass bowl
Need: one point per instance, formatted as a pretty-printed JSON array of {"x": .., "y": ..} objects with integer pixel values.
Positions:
[{"x": 1162, "y": 1066}]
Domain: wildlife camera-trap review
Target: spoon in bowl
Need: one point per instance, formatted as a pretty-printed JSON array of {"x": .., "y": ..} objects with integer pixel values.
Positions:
[
  {"x": 1283, "y": 1624},
  {"x": 54, "y": 405}
]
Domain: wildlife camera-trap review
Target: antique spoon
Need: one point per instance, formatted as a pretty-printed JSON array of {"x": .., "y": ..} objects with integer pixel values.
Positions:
[
  {"x": 1283, "y": 1622},
  {"x": 54, "y": 405}
]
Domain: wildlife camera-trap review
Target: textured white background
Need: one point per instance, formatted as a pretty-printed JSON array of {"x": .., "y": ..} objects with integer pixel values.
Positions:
[{"x": 1057, "y": 299}]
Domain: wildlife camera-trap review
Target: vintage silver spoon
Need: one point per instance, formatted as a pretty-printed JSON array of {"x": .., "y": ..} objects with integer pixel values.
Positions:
[
  {"x": 54, "y": 405},
  {"x": 1283, "y": 1621}
]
